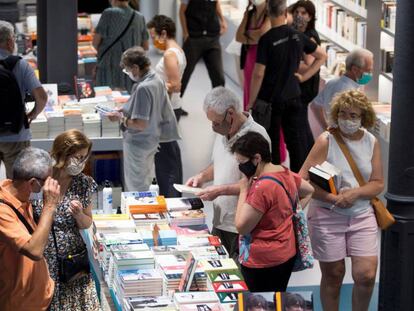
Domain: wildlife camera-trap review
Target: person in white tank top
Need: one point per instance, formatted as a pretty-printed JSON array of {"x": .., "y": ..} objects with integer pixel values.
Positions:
[
  {"x": 344, "y": 225},
  {"x": 168, "y": 165},
  {"x": 171, "y": 66}
]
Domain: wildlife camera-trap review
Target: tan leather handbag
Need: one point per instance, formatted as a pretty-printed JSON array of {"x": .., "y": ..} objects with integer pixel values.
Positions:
[{"x": 383, "y": 216}]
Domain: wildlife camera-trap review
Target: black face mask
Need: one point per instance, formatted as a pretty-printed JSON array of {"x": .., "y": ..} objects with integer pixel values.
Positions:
[{"x": 248, "y": 168}]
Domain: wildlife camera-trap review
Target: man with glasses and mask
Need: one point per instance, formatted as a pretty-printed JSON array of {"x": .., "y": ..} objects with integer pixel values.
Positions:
[
  {"x": 359, "y": 66},
  {"x": 24, "y": 277},
  {"x": 225, "y": 112}
]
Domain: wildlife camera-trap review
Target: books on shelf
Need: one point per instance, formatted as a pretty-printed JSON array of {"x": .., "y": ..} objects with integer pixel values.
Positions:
[
  {"x": 389, "y": 14},
  {"x": 387, "y": 59},
  {"x": 326, "y": 176},
  {"x": 343, "y": 23}
]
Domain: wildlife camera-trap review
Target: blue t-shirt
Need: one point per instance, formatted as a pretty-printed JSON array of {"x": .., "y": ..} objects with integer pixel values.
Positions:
[
  {"x": 332, "y": 88},
  {"x": 27, "y": 81}
]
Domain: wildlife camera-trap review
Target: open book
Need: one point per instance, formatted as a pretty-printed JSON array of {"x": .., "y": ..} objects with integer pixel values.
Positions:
[{"x": 326, "y": 176}]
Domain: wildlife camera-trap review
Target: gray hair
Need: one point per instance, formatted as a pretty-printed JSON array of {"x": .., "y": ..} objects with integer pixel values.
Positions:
[
  {"x": 6, "y": 32},
  {"x": 32, "y": 162},
  {"x": 357, "y": 58},
  {"x": 220, "y": 99},
  {"x": 276, "y": 8}
]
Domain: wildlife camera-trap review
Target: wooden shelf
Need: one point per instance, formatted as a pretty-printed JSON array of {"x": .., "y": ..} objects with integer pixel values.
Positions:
[
  {"x": 333, "y": 36},
  {"x": 351, "y": 7},
  {"x": 388, "y": 76},
  {"x": 388, "y": 31}
]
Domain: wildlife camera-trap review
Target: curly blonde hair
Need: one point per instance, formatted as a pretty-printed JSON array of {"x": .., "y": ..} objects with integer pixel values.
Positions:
[{"x": 354, "y": 99}]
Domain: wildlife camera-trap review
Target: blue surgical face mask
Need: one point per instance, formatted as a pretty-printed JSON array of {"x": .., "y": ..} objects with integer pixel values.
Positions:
[{"x": 365, "y": 78}]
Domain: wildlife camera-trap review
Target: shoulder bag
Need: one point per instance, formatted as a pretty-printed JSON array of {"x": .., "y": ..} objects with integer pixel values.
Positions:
[
  {"x": 20, "y": 216},
  {"x": 119, "y": 37},
  {"x": 71, "y": 266},
  {"x": 383, "y": 216},
  {"x": 304, "y": 257}
]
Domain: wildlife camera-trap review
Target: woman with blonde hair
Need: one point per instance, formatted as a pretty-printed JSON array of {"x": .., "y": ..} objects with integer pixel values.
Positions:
[
  {"x": 344, "y": 225},
  {"x": 71, "y": 151}
]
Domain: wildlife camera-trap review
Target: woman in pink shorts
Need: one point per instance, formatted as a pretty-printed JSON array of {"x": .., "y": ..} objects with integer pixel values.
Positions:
[{"x": 344, "y": 225}]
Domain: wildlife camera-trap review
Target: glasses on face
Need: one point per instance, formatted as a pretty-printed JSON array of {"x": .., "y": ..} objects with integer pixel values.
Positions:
[
  {"x": 351, "y": 116},
  {"x": 80, "y": 159},
  {"x": 224, "y": 119},
  {"x": 40, "y": 181}
]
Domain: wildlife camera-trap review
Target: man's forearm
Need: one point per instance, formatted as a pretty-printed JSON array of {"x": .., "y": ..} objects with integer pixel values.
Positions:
[
  {"x": 254, "y": 89},
  {"x": 231, "y": 189},
  {"x": 35, "y": 247}
]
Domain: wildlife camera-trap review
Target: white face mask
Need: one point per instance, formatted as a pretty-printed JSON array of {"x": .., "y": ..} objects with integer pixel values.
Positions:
[
  {"x": 74, "y": 167},
  {"x": 258, "y": 2},
  {"x": 130, "y": 75},
  {"x": 349, "y": 126}
]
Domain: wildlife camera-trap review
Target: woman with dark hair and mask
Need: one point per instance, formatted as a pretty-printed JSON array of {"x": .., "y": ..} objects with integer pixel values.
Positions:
[
  {"x": 264, "y": 215},
  {"x": 71, "y": 151},
  {"x": 304, "y": 18},
  {"x": 344, "y": 224}
]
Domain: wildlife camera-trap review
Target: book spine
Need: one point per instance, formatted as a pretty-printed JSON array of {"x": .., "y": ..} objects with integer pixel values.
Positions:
[
  {"x": 332, "y": 186},
  {"x": 241, "y": 302},
  {"x": 278, "y": 301}
]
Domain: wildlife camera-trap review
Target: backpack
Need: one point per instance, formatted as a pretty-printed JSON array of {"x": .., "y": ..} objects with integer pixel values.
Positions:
[{"x": 13, "y": 115}]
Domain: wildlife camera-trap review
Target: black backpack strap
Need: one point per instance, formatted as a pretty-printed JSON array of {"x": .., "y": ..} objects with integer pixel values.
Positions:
[
  {"x": 21, "y": 217},
  {"x": 10, "y": 61},
  {"x": 292, "y": 202}
]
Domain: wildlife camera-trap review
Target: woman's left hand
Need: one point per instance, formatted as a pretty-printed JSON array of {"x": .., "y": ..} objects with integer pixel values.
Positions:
[
  {"x": 346, "y": 198},
  {"x": 75, "y": 208}
]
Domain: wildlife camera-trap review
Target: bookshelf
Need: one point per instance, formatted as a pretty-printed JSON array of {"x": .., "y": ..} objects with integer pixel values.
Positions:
[
  {"x": 336, "y": 38},
  {"x": 351, "y": 7},
  {"x": 387, "y": 39}
]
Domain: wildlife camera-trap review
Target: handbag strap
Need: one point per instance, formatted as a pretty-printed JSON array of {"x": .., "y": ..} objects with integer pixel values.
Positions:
[
  {"x": 293, "y": 203},
  {"x": 19, "y": 215},
  {"x": 345, "y": 150},
  {"x": 54, "y": 240},
  {"x": 119, "y": 37}
]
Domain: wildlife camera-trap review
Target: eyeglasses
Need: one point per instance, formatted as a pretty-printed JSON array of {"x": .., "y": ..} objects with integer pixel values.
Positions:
[
  {"x": 224, "y": 119},
  {"x": 80, "y": 159},
  {"x": 351, "y": 116}
]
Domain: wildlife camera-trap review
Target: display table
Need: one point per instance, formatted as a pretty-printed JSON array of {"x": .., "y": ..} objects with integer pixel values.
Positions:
[{"x": 98, "y": 143}]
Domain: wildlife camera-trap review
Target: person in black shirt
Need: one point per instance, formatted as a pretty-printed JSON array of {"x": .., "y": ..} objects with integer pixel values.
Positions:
[
  {"x": 203, "y": 23},
  {"x": 304, "y": 21},
  {"x": 276, "y": 79}
]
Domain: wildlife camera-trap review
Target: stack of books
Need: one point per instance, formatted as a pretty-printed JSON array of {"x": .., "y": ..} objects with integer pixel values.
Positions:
[
  {"x": 187, "y": 218},
  {"x": 56, "y": 122},
  {"x": 138, "y": 283},
  {"x": 183, "y": 204},
  {"x": 149, "y": 303},
  {"x": 39, "y": 127},
  {"x": 147, "y": 236},
  {"x": 171, "y": 268},
  {"x": 194, "y": 301},
  {"x": 389, "y": 14},
  {"x": 113, "y": 226},
  {"x": 109, "y": 129},
  {"x": 326, "y": 176},
  {"x": 148, "y": 220},
  {"x": 224, "y": 277},
  {"x": 142, "y": 205},
  {"x": 91, "y": 124},
  {"x": 128, "y": 257},
  {"x": 167, "y": 237},
  {"x": 136, "y": 195},
  {"x": 73, "y": 118}
]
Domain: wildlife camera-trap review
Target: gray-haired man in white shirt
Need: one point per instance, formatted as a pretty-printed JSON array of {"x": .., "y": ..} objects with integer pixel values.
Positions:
[{"x": 225, "y": 112}]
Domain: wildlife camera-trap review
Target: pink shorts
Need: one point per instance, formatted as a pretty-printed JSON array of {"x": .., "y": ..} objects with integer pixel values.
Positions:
[{"x": 334, "y": 236}]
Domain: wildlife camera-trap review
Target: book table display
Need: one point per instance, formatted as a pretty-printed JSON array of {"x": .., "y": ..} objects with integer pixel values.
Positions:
[{"x": 159, "y": 255}]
